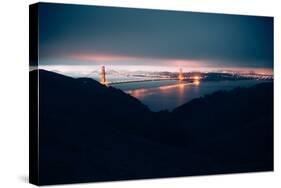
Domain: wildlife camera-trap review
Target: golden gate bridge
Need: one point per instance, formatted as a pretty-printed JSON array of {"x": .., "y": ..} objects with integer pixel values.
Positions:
[{"x": 180, "y": 77}]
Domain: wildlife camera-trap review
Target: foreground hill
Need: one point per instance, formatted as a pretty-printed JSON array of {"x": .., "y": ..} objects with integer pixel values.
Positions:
[
  {"x": 232, "y": 128},
  {"x": 90, "y": 132}
]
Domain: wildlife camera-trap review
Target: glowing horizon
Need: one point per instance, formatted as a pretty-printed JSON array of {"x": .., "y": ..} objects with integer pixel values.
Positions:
[
  {"x": 65, "y": 62},
  {"x": 153, "y": 68}
]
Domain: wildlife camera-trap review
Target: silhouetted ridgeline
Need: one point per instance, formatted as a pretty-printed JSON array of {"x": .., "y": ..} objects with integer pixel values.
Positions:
[{"x": 89, "y": 132}]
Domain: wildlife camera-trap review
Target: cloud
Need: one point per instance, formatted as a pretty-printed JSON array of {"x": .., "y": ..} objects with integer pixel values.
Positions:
[
  {"x": 92, "y": 34},
  {"x": 98, "y": 57},
  {"x": 117, "y": 59}
]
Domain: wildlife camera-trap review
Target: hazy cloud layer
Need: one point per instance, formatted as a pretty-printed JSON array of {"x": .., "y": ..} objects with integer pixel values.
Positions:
[{"x": 73, "y": 34}]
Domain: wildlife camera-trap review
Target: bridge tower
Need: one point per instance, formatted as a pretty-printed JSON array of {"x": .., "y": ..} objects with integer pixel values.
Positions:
[
  {"x": 180, "y": 77},
  {"x": 103, "y": 79}
]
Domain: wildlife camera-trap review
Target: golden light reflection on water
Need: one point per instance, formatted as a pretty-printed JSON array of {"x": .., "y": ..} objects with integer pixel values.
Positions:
[
  {"x": 196, "y": 82},
  {"x": 180, "y": 86},
  {"x": 138, "y": 93}
]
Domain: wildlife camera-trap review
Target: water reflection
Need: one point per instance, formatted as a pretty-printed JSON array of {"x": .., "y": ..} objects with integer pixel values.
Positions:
[
  {"x": 138, "y": 93},
  {"x": 170, "y": 94},
  {"x": 178, "y": 87},
  {"x": 196, "y": 82}
]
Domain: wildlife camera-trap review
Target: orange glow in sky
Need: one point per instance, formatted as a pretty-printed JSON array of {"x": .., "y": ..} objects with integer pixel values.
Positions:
[{"x": 138, "y": 63}]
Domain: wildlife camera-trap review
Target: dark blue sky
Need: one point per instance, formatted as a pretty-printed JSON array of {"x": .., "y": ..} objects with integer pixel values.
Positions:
[{"x": 73, "y": 34}]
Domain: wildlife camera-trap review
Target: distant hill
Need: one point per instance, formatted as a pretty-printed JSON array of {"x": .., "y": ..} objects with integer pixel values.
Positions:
[{"x": 90, "y": 132}]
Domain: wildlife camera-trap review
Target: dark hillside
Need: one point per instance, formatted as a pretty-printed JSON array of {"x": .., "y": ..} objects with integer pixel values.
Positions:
[{"x": 90, "y": 132}]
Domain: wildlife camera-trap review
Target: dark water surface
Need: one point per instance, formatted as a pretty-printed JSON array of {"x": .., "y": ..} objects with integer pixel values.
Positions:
[{"x": 167, "y": 95}]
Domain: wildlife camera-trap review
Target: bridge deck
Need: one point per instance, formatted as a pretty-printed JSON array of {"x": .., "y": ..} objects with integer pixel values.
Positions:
[{"x": 147, "y": 80}]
